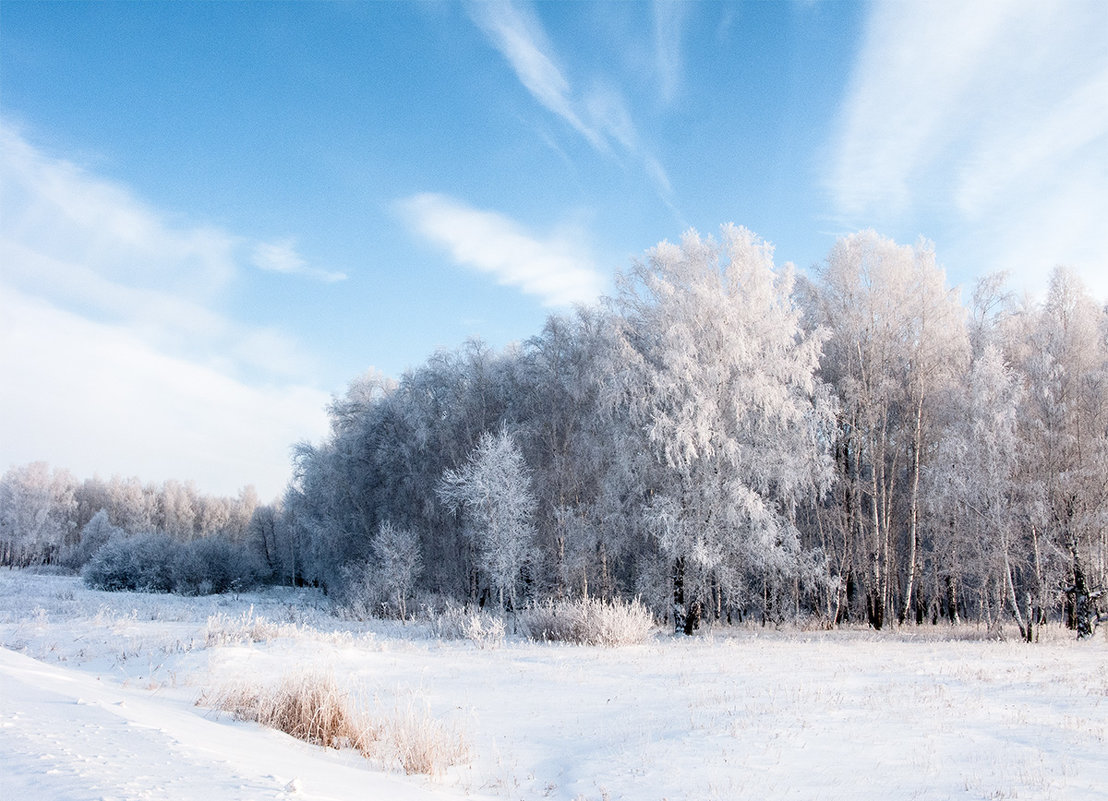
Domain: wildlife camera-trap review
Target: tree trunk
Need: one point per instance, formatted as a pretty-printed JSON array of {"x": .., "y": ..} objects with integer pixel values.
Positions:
[
  {"x": 913, "y": 512},
  {"x": 678, "y": 595},
  {"x": 692, "y": 618},
  {"x": 1025, "y": 629},
  {"x": 1082, "y": 603},
  {"x": 876, "y": 604}
]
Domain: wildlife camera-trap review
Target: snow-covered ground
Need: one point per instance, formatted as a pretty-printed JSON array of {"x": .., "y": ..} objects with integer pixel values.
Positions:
[{"x": 98, "y": 691}]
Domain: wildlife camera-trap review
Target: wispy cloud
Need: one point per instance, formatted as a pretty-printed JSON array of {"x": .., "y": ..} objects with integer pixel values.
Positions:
[
  {"x": 599, "y": 114},
  {"x": 668, "y": 21},
  {"x": 113, "y": 344},
  {"x": 56, "y": 209},
  {"x": 990, "y": 115},
  {"x": 517, "y": 34},
  {"x": 282, "y": 257},
  {"x": 92, "y": 246},
  {"x": 552, "y": 268}
]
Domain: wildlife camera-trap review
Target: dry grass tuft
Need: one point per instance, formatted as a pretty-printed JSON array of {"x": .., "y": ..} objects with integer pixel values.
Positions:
[
  {"x": 309, "y": 706},
  {"x": 313, "y": 708},
  {"x": 247, "y": 628},
  {"x": 424, "y": 745}
]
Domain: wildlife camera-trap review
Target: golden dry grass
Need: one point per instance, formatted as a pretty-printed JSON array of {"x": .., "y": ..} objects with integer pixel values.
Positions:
[{"x": 312, "y": 707}]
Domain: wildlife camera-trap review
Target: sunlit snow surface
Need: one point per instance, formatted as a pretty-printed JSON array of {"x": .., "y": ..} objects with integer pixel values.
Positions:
[{"x": 108, "y": 710}]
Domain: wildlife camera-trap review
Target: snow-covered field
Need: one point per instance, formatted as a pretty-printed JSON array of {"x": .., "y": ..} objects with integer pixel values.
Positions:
[{"x": 98, "y": 691}]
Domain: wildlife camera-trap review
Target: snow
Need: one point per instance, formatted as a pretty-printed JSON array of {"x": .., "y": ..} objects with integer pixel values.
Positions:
[{"x": 98, "y": 691}]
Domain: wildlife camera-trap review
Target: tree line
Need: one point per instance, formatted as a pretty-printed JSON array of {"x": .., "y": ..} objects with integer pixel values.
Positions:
[{"x": 727, "y": 439}]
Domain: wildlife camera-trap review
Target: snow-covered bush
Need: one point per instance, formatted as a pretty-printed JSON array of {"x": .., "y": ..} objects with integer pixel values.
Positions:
[
  {"x": 157, "y": 563},
  {"x": 457, "y": 623},
  {"x": 141, "y": 563},
  {"x": 213, "y": 565},
  {"x": 96, "y": 533},
  {"x": 589, "y": 621}
]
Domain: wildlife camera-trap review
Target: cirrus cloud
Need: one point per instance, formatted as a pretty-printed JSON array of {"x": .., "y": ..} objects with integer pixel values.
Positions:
[
  {"x": 599, "y": 113},
  {"x": 985, "y": 125}
]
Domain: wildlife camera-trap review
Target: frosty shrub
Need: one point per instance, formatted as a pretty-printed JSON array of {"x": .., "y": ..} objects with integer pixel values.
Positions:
[
  {"x": 97, "y": 533},
  {"x": 157, "y": 563},
  {"x": 141, "y": 563},
  {"x": 309, "y": 706},
  {"x": 213, "y": 565},
  {"x": 589, "y": 621},
  {"x": 382, "y": 587},
  {"x": 359, "y": 595},
  {"x": 457, "y": 623},
  {"x": 399, "y": 564}
]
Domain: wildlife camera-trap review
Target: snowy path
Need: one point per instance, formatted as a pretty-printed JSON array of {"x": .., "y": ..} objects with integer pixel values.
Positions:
[{"x": 67, "y": 735}]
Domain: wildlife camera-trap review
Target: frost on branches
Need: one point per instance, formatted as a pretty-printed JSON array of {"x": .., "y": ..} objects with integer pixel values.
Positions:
[{"x": 720, "y": 386}]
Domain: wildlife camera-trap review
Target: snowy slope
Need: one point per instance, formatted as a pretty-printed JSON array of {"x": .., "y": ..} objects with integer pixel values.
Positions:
[
  {"x": 749, "y": 714},
  {"x": 67, "y": 735}
]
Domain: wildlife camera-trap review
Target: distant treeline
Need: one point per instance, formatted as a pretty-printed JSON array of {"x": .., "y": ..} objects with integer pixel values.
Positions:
[
  {"x": 721, "y": 438},
  {"x": 43, "y": 512}
]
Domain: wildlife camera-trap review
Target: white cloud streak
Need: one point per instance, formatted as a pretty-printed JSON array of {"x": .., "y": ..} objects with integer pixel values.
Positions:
[
  {"x": 282, "y": 257},
  {"x": 599, "y": 114},
  {"x": 59, "y": 210},
  {"x": 990, "y": 114},
  {"x": 518, "y": 36},
  {"x": 551, "y": 269},
  {"x": 113, "y": 356},
  {"x": 668, "y": 22}
]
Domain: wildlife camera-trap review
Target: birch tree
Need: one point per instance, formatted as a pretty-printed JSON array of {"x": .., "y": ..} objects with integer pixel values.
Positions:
[
  {"x": 398, "y": 564},
  {"x": 492, "y": 491},
  {"x": 898, "y": 339},
  {"x": 719, "y": 382},
  {"x": 1067, "y": 424},
  {"x": 977, "y": 493},
  {"x": 37, "y": 514}
]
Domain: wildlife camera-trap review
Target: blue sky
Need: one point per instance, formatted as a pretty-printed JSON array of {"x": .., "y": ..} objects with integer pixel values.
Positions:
[{"x": 215, "y": 215}]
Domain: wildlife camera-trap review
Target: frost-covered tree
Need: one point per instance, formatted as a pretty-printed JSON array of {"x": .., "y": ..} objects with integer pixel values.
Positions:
[
  {"x": 398, "y": 564},
  {"x": 95, "y": 534},
  {"x": 976, "y": 493},
  {"x": 37, "y": 514},
  {"x": 492, "y": 491},
  {"x": 718, "y": 379},
  {"x": 177, "y": 510},
  {"x": 132, "y": 505},
  {"x": 1066, "y": 425},
  {"x": 566, "y": 439},
  {"x": 898, "y": 341}
]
